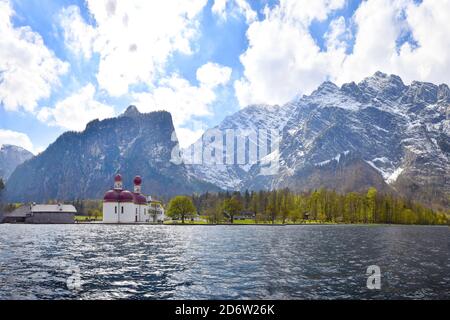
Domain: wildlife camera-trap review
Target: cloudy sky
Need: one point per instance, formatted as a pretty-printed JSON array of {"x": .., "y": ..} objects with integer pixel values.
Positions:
[{"x": 66, "y": 62}]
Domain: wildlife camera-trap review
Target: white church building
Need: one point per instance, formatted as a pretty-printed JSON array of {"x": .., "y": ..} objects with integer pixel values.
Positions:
[{"x": 123, "y": 206}]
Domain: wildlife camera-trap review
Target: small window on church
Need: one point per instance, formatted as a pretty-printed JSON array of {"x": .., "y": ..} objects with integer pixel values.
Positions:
[
  {"x": 115, "y": 209},
  {"x": 122, "y": 210}
]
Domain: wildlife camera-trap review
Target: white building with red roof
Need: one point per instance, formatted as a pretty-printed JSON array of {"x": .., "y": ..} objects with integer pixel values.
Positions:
[{"x": 123, "y": 206}]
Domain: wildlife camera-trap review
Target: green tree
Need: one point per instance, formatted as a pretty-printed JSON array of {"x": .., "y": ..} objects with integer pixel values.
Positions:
[
  {"x": 98, "y": 214},
  {"x": 321, "y": 204},
  {"x": 232, "y": 207},
  {"x": 214, "y": 213},
  {"x": 254, "y": 204},
  {"x": 314, "y": 205},
  {"x": 296, "y": 210},
  {"x": 272, "y": 206},
  {"x": 181, "y": 207},
  {"x": 408, "y": 217},
  {"x": 350, "y": 207},
  {"x": 371, "y": 204},
  {"x": 95, "y": 214},
  {"x": 247, "y": 199}
]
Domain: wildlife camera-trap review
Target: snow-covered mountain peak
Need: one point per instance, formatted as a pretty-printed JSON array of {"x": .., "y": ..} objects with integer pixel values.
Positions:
[
  {"x": 255, "y": 116},
  {"x": 10, "y": 157},
  {"x": 423, "y": 92},
  {"x": 325, "y": 88},
  {"x": 10, "y": 147},
  {"x": 382, "y": 85}
]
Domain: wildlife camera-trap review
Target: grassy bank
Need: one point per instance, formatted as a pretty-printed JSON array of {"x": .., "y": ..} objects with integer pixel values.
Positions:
[
  {"x": 248, "y": 222},
  {"x": 87, "y": 218}
]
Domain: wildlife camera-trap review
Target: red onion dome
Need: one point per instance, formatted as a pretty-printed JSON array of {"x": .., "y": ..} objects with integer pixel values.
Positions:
[
  {"x": 111, "y": 196},
  {"x": 118, "y": 178},
  {"x": 137, "y": 181},
  {"x": 126, "y": 196},
  {"x": 139, "y": 199},
  {"x": 118, "y": 196}
]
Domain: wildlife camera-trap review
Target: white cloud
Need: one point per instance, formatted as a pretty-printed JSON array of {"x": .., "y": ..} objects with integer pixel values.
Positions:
[
  {"x": 284, "y": 60},
  {"x": 378, "y": 28},
  {"x": 177, "y": 96},
  {"x": 380, "y": 24},
  {"x": 16, "y": 138},
  {"x": 219, "y": 7},
  {"x": 226, "y": 8},
  {"x": 78, "y": 35},
  {"x": 303, "y": 12},
  {"x": 213, "y": 75},
  {"x": 337, "y": 36},
  {"x": 28, "y": 69},
  {"x": 76, "y": 111},
  {"x": 183, "y": 100},
  {"x": 134, "y": 39}
]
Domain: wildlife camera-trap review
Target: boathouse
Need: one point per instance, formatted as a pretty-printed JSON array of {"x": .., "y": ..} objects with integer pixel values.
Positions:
[{"x": 42, "y": 214}]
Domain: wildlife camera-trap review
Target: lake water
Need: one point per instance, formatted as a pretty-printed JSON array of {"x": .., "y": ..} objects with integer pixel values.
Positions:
[{"x": 222, "y": 262}]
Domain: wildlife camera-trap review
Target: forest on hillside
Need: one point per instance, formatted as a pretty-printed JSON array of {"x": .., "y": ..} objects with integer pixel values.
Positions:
[{"x": 320, "y": 205}]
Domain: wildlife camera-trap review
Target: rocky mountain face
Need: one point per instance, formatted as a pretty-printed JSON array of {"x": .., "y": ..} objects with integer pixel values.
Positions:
[
  {"x": 379, "y": 132},
  {"x": 83, "y": 164},
  {"x": 10, "y": 157},
  {"x": 243, "y": 123}
]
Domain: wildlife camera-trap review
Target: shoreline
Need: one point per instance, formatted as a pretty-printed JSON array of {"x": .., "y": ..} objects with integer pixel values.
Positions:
[
  {"x": 263, "y": 224},
  {"x": 233, "y": 225}
]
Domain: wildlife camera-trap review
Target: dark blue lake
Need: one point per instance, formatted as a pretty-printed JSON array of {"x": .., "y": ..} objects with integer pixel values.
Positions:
[{"x": 222, "y": 262}]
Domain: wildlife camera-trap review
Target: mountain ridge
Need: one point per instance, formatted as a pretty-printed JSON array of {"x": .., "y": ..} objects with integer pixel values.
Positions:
[
  {"x": 83, "y": 164},
  {"x": 378, "y": 132},
  {"x": 400, "y": 131}
]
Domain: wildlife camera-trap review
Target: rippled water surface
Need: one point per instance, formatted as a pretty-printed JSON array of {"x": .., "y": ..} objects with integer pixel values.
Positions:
[{"x": 222, "y": 262}]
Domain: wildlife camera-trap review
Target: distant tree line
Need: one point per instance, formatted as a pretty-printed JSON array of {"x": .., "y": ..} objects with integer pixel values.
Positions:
[
  {"x": 320, "y": 205},
  {"x": 285, "y": 206}
]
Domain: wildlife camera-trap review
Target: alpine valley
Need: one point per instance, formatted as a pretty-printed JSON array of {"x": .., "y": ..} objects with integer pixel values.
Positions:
[{"x": 379, "y": 132}]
